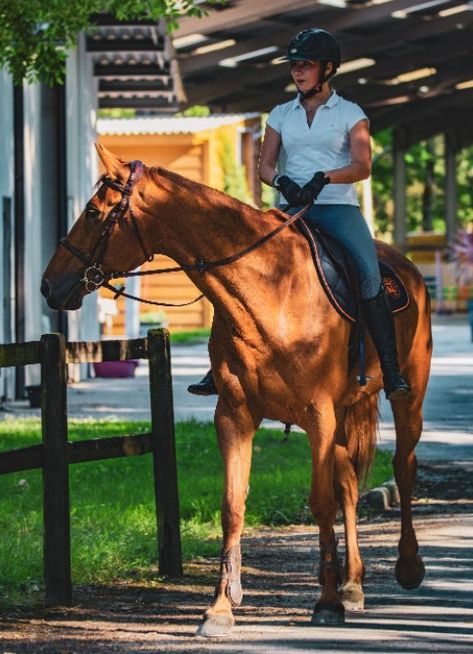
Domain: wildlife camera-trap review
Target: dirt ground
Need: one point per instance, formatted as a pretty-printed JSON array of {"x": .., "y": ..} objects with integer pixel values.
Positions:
[{"x": 280, "y": 589}]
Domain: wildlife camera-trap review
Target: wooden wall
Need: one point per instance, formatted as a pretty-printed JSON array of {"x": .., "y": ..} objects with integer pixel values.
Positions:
[
  {"x": 196, "y": 156},
  {"x": 185, "y": 154}
]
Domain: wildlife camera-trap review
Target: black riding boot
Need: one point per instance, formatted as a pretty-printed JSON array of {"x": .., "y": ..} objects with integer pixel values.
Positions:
[
  {"x": 380, "y": 322},
  {"x": 206, "y": 386}
]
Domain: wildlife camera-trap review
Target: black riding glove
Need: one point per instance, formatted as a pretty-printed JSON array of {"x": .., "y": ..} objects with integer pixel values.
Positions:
[
  {"x": 288, "y": 188},
  {"x": 310, "y": 191}
]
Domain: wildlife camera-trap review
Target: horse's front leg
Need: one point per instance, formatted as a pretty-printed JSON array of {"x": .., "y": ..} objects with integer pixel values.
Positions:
[
  {"x": 235, "y": 431},
  {"x": 329, "y": 609}
]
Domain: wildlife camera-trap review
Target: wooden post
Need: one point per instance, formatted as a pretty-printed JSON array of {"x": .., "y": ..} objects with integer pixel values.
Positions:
[
  {"x": 57, "y": 550},
  {"x": 451, "y": 219},
  {"x": 400, "y": 217},
  {"x": 164, "y": 453}
]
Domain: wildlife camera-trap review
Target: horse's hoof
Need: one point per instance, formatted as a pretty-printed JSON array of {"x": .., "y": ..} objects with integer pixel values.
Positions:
[
  {"x": 352, "y": 597},
  {"x": 328, "y": 615},
  {"x": 215, "y": 626},
  {"x": 410, "y": 571}
]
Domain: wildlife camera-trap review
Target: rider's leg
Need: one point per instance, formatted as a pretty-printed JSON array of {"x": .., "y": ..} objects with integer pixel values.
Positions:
[
  {"x": 346, "y": 224},
  {"x": 206, "y": 386},
  {"x": 379, "y": 319}
]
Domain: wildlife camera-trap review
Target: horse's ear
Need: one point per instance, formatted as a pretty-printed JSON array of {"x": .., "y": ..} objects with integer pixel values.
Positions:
[{"x": 112, "y": 164}]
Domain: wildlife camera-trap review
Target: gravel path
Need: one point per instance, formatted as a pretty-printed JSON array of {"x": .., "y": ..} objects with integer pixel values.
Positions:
[
  {"x": 278, "y": 565},
  {"x": 280, "y": 590}
]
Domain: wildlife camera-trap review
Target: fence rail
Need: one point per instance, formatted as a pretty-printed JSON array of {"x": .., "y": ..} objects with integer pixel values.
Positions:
[
  {"x": 56, "y": 453},
  {"x": 29, "y": 458}
]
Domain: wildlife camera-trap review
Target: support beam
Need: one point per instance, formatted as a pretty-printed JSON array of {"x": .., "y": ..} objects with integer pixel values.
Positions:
[
  {"x": 394, "y": 35},
  {"x": 451, "y": 149},
  {"x": 400, "y": 218},
  {"x": 19, "y": 228},
  {"x": 242, "y": 13},
  {"x": 416, "y": 57},
  {"x": 411, "y": 111}
]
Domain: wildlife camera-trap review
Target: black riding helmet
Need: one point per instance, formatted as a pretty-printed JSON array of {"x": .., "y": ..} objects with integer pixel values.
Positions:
[{"x": 315, "y": 45}]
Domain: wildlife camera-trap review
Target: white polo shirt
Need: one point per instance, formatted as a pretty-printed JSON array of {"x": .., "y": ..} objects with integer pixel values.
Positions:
[{"x": 325, "y": 145}]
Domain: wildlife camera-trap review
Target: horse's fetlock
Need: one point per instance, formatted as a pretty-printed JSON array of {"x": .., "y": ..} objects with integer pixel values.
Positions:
[{"x": 221, "y": 603}]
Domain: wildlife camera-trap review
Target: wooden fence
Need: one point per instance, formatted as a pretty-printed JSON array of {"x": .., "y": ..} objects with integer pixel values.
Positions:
[{"x": 55, "y": 453}]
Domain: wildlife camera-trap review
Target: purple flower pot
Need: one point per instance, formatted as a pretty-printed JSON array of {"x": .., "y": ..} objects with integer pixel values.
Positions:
[{"x": 116, "y": 369}]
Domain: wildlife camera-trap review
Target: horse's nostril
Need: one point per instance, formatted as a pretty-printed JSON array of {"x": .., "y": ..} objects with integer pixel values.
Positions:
[{"x": 45, "y": 288}]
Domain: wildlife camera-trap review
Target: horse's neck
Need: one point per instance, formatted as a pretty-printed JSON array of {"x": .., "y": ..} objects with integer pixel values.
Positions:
[
  {"x": 209, "y": 224},
  {"x": 205, "y": 224}
]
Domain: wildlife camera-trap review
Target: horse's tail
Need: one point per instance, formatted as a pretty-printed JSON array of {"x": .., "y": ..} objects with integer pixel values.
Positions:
[{"x": 361, "y": 429}]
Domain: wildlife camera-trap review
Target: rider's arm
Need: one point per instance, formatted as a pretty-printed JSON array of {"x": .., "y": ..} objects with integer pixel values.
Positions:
[
  {"x": 269, "y": 155},
  {"x": 360, "y": 151}
]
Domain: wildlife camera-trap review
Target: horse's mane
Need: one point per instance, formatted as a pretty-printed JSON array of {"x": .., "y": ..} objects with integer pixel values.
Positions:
[
  {"x": 212, "y": 195},
  {"x": 99, "y": 181},
  {"x": 209, "y": 195}
]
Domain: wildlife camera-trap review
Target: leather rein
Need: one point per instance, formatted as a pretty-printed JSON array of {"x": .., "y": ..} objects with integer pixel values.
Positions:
[{"x": 94, "y": 275}]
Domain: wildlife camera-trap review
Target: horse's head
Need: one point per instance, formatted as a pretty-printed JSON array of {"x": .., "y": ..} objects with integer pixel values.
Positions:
[{"x": 105, "y": 238}]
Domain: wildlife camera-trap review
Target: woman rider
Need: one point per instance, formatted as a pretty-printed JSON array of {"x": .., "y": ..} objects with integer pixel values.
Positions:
[{"x": 315, "y": 147}]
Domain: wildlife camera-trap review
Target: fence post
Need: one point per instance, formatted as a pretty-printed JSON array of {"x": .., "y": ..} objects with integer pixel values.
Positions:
[
  {"x": 164, "y": 452},
  {"x": 56, "y": 548}
]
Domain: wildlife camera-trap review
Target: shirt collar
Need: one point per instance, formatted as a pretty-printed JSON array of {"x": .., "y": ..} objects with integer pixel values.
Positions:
[{"x": 333, "y": 100}]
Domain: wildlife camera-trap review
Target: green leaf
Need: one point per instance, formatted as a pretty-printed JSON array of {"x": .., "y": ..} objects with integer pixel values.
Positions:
[{"x": 36, "y": 35}]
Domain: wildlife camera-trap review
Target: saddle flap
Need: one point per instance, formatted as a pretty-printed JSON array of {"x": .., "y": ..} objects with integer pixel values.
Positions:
[
  {"x": 396, "y": 292},
  {"x": 339, "y": 279}
]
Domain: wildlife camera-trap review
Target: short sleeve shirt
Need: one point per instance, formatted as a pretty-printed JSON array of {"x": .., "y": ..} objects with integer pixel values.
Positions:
[{"x": 325, "y": 145}]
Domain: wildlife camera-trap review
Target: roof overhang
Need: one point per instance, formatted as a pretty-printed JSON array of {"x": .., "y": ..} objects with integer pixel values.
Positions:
[
  {"x": 409, "y": 62},
  {"x": 134, "y": 65},
  {"x": 229, "y": 61}
]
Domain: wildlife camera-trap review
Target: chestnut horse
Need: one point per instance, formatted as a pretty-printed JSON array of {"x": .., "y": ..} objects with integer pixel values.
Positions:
[{"x": 278, "y": 350}]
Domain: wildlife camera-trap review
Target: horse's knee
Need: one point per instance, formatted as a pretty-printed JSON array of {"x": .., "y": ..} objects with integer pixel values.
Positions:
[{"x": 322, "y": 507}]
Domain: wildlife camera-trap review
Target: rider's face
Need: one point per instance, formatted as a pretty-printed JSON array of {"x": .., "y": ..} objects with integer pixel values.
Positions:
[{"x": 305, "y": 74}]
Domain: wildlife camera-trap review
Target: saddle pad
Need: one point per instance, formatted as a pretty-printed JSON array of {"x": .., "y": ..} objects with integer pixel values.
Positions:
[{"x": 339, "y": 279}]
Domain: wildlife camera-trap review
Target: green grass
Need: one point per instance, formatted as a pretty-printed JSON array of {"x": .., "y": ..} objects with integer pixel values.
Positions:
[
  {"x": 113, "y": 523},
  {"x": 191, "y": 337}
]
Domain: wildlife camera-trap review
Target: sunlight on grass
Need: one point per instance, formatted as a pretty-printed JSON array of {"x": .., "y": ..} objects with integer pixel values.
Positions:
[
  {"x": 191, "y": 337},
  {"x": 113, "y": 518}
]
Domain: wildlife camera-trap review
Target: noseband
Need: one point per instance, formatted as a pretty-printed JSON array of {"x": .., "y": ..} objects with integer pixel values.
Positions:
[{"x": 94, "y": 276}]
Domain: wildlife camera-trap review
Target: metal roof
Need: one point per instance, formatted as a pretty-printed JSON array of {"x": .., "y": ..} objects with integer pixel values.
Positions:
[
  {"x": 226, "y": 60},
  {"x": 400, "y": 37},
  {"x": 133, "y": 64},
  {"x": 167, "y": 125}
]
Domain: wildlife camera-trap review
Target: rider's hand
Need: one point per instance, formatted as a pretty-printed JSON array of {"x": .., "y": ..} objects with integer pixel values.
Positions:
[
  {"x": 289, "y": 189},
  {"x": 310, "y": 191}
]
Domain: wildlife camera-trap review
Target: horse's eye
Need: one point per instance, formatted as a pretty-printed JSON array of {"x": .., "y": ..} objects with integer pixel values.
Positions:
[{"x": 92, "y": 212}]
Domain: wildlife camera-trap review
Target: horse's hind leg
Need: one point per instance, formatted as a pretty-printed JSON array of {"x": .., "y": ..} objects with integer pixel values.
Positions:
[
  {"x": 346, "y": 489},
  {"x": 408, "y": 420},
  {"x": 235, "y": 431}
]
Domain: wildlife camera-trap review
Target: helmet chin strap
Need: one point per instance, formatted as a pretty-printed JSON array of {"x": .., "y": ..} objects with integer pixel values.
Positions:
[
  {"x": 313, "y": 91},
  {"x": 320, "y": 83}
]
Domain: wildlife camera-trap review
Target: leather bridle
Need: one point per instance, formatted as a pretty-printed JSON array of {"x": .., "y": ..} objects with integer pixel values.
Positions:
[{"x": 94, "y": 275}]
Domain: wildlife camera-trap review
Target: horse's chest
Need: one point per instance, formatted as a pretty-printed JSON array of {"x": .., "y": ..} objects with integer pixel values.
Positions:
[{"x": 283, "y": 391}]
